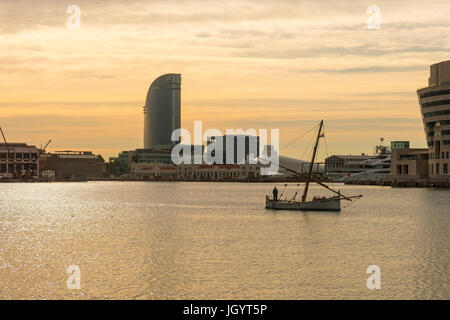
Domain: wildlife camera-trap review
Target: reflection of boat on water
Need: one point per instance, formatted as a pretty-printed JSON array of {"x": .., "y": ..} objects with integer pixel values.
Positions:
[{"x": 332, "y": 203}]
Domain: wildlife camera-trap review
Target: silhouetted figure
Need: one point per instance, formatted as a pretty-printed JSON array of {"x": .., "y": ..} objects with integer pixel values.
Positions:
[{"x": 275, "y": 194}]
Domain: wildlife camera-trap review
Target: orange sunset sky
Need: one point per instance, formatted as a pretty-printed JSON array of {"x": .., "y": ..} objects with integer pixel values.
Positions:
[{"x": 245, "y": 64}]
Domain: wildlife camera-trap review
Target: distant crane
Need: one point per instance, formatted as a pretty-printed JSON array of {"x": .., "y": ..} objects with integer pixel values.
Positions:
[
  {"x": 27, "y": 173},
  {"x": 9, "y": 153}
]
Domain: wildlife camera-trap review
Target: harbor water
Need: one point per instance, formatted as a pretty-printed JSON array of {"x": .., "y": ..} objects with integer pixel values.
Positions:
[{"x": 187, "y": 240}]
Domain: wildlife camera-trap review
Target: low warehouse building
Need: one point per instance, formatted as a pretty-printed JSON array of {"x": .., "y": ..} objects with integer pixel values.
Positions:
[
  {"x": 196, "y": 172},
  {"x": 74, "y": 165}
]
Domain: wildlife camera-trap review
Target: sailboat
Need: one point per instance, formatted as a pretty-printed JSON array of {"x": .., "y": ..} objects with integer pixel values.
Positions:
[{"x": 332, "y": 203}]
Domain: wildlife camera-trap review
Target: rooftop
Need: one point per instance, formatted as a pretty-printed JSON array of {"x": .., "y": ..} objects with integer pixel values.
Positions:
[
  {"x": 16, "y": 145},
  {"x": 72, "y": 152}
]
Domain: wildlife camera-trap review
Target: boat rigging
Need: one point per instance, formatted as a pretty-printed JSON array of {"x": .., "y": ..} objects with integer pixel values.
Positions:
[{"x": 318, "y": 203}]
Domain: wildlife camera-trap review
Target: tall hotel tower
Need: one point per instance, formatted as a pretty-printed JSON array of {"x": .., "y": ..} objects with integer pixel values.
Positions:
[
  {"x": 162, "y": 111},
  {"x": 435, "y": 106}
]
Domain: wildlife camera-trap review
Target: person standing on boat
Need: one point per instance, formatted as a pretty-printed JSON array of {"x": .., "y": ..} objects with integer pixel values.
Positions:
[{"x": 275, "y": 194}]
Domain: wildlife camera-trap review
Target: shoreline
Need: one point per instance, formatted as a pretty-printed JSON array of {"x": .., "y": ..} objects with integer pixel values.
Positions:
[
  {"x": 403, "y": 183},
  {"x": 381, "y": 183}
]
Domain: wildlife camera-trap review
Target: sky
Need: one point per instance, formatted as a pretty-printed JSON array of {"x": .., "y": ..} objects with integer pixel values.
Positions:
[{"x": 269, "y": 64}]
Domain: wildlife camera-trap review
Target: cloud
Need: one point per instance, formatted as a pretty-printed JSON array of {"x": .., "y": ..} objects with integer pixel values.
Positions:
[
  {"x": 243, "y": 63},
  {"x": 375, "y": 69}
]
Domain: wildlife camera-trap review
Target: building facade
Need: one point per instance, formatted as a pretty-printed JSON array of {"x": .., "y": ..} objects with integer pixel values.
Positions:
[
  {"x": 120, "y": 166},
  {"x": 17, "y": 158},
  {"x": 162, "y": 110},
  {"x": 74, "y": 165},
  {"x": 196, "y": 172},
  {"x": 233, "y": 149},
  {"x": 434, "y": 103},
  {"x": 409, "y": 164}
]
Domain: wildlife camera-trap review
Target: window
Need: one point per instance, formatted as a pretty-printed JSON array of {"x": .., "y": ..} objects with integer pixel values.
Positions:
[
  {"x": 437, "y": 168},
  {"x": 436, "y": 113},
  {"x": 432, "y": 124},
  {"x": 434, "y": 93},
  {"x": 435, "y": 103},
  {"x": 399, "y": 144},
  {"x": 445, "y": 169}
]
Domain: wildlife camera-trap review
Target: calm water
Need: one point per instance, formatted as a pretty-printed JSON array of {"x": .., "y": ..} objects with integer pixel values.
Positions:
[{"x": 215, "y": 240}]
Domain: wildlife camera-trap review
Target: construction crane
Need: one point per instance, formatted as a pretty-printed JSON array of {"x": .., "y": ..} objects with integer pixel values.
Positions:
[
  {"x": 9, "y": 153},
  {"x": 27, "y": 173}
]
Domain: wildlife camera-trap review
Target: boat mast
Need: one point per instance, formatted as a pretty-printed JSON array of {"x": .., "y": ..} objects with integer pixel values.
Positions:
[
  {"x": 305, "y": 192},
  {"x": 316, "y": 181}
]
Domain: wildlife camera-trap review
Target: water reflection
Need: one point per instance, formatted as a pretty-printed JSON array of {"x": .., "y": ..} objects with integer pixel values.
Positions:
[{"x": 216, "y": 240}]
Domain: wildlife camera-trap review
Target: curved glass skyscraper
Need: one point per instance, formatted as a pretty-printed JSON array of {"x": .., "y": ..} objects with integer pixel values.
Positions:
[
  {"x": 435, "y": 106},
  {"x": 162, "y": 111}
]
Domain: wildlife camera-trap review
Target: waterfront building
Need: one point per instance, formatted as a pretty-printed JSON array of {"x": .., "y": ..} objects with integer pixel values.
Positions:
[
  {"x": 360, "y": 167},
  {"x": 162, "y": 111},
  {"x": 74, "y": 165},
  {"x": 162, "y": 115},
  {"x": 230, "y": 144},
  {"x": 434, "y": 103},
  {"x": 17, "y": 158},
  {"x": 196, "y": 172},
  {"x": 409, "y": 164},
  {"x": 158, "y": 154},
  {"x": 121, "y": 165}
]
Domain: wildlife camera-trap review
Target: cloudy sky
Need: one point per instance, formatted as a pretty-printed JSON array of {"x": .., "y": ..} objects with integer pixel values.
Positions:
[{"x": 245, "y": 64}]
